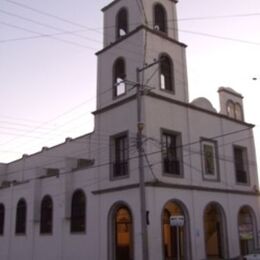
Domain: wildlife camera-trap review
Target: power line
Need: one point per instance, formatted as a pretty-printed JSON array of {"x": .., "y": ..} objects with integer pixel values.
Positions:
[
  {"x": 91, "y": 29},
  {"x": 12, "y": 1},
  {"x": 219, "y": 37},
  {"x": 65, "y": 113},
  {"x": 99, "y": 180},
  {"x": 158, "y": 151},
  {"x": 90, "y": 182},
  {"x": 95, "y": 138},
  {"x": 150, "y": 166},
  {"x": 48, "y": 14},
  {"x": 59, "y": 116},
  {"x": 8, "y": 117},
  {"x": 191, "y": 152},
  {"x": 140, "y": 6},
  {"x": 74, "y": 33},
  {"x": 40, "y": 35},
  {"x": 217, "y": 17},
  {"x": 30, "y": 20},
  {"x": 218, "y": 156},
  {"x": 94, "y": 181},
  {"x": 45, "y": 35}
]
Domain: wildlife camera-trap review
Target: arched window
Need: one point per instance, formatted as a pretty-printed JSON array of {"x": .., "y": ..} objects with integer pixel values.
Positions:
[
  {"x": 238, "y": 112},
  {"x": 46, "y": 215},
  {"x": 119, "y": 77},
  {"x": 78, "y": 212},
  {"x": 246, "y": 229},
  {"x": 215, "y": 232},
  {"x": 122, "y": 233},
  {"x": 160, "y": 18},
  {"x": 166, "y": 73},
  {"x": 231, "y": 109},
  {"x": 21, "y": 211},
  {"x": 121, "y": 23},
  {"x": 176, "y": 239},
  {"x": 2, "y": 218}
]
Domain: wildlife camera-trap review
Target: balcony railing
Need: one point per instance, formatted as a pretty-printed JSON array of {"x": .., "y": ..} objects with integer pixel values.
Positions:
[
  {"x": 241, "y": 176},
  {"x": 171, "y": 166},
  {"x": 120, "y": 169}
]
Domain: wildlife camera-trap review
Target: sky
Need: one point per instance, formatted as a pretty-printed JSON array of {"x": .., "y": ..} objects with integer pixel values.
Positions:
[{"x": 48, "y": 65}]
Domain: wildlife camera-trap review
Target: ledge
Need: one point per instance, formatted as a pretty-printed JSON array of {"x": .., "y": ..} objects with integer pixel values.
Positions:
[
  {"x": 165, "y": 185},
  {"x": 137, "y": 29}
]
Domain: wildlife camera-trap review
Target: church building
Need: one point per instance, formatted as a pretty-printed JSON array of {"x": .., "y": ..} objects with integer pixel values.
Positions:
[{"x": 160, "y": 177}]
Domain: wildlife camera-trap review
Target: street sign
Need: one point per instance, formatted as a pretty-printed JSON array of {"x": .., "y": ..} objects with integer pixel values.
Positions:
[{"x": 177, "y": 221}]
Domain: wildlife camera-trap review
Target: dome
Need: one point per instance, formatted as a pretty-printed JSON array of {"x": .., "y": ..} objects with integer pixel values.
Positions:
[{"x": 203, "y": 103}]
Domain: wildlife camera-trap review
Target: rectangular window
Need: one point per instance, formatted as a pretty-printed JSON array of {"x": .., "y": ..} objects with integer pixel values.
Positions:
[
  {"x": 84, "y": 163},
  {"x": 120, "y": 156},
  {"x": 240, "y": 161},
  {"x": 171, "y": 153},
  {"x": 209, "y": 159},
  {"x": 52, "y": 172}
]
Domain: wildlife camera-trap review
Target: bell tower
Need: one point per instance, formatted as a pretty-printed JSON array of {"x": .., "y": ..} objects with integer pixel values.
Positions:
[
  {"x": 137, "y": 33},
  {"x": 159, "y": 15}
]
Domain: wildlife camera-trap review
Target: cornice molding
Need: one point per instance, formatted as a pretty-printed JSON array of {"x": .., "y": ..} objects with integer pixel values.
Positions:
[
  {"x": 136, "y": 30},
  {"x": 116, "y": 1},
  {"x": 160, "y": 184}
]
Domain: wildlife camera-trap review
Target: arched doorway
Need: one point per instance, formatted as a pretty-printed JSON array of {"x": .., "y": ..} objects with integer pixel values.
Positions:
[
  {"x": 175, "y": 239},
  {"x": 121, "y": 233},
  {"x": 214, "y": 232},
  {"x": 247, "y": 230}
]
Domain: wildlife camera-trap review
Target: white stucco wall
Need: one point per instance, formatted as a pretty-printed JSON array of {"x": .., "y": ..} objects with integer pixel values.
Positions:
[{"x": 161, "y": 110}]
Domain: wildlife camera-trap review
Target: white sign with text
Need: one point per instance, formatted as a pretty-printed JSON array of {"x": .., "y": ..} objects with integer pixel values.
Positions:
[{"x": 177, "y": 221}]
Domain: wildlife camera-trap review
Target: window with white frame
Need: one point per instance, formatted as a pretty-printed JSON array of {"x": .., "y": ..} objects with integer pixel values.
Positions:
[
  {"x": 209, "y": 159},
  {"x": 171, "y": 153},
  {"x": 119, "y": 155},
  {"x": 241, "y": 164}
]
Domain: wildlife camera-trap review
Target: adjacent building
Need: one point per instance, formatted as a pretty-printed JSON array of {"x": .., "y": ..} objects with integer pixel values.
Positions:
[{"x": 81, "y": 199}]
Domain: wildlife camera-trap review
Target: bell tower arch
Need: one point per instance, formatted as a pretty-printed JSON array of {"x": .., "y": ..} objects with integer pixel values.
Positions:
[{"x": 138, "y": 33}]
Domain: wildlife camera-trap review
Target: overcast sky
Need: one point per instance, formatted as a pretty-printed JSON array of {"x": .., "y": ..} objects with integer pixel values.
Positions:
[{"x": 48, "y": 65}]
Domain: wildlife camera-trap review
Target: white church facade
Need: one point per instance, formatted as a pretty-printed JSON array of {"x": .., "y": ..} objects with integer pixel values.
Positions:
[{"x": 81, "y": 199}]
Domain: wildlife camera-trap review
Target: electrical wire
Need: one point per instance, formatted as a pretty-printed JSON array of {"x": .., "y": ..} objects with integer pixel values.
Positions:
[
  {"x": 184, "y": 19},
  {"x": 11, "y": 1},
  {"x": 46, "y": 35},
  {"x": 220, "y": 37},
  {"x": 140, "y": 6},
  {"x": 22, "y": 5},
  {"x": 62, "y": 31},
  {"x": 91, "y": 29},
  {"x": 94, "y": 180},
  {"x": 62, "y": 114},
  {"x": 98, "y": 180},
  {"x": 82, "y": 26},
  {"x": 157, "y": 151}
]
